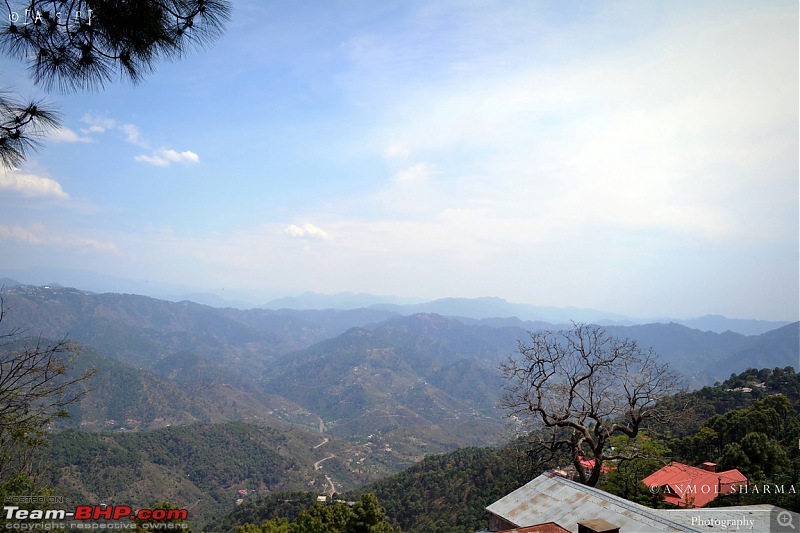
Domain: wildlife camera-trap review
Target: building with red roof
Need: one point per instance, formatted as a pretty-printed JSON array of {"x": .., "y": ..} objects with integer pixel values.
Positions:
[
  {"x": 689, "y": 486},
  {"x": 588, "y": 466}
]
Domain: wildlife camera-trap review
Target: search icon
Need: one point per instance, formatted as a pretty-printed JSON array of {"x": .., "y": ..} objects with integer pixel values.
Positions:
[{"x": 785, "y": 519}]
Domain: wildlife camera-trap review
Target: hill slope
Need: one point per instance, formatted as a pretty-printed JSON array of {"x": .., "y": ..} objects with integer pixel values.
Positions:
[
  {"x": 407, "y": 372},
  {"x": 200, "y": 466}
]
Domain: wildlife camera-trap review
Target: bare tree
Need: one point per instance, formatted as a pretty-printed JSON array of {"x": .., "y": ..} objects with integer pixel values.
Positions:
[
  {"x": 35, "y": 386},
  {"x": 585, "y": 387}
]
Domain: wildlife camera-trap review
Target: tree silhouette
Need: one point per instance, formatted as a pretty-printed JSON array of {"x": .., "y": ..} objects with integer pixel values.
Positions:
[
  {"x": 73, "y": 45},
  {"x": 22, "y": 127}
]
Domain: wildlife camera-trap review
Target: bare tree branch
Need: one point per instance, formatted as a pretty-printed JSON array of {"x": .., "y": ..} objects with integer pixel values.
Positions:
[
  {"x": 35, "y": 386},
  {"x": 589, "y": 384}
]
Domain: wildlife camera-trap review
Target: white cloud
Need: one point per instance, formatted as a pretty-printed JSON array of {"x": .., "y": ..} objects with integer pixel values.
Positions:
[
  {"x": 132, "y": 135},
  {"x": 66, "y": 135},
  {"x": 416, "y": 173},
  {"x": 152, "y": 160},
  {"x": 20, "y": 234},
  {"x": 396, "y": 151},
  {"x": 163, "y": 157},
  {"x": 97, "y": 124},
  {"x": 662, "y": 136},
  {"x": 612, "y": 153},
  {"x": 31, "y": 186},
  {"x": 306, "y": 231},
  {"x": 40, "y": 235},
  {"x": 181, "y": 157}
]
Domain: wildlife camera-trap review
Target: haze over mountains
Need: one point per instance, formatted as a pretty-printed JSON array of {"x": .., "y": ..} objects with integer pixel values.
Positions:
[
  {"x": 264, "y": 345},
  {"x": 493, "y": 310},
  {"x": 365, "y": 391},
  {"x": 347, "y": 372}
]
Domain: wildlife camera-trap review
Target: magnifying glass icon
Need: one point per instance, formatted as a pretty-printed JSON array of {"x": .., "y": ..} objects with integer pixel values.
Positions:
[{"x": 785, "y": 519}]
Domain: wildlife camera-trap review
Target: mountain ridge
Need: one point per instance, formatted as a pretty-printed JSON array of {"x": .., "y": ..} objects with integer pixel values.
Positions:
[
  {"x": 140, "y": 331},
  {"x": 489, "y": 308}
]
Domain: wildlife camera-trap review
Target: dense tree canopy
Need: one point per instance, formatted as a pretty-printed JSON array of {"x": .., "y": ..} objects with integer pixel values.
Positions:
[{"x": 366, "y": 516}]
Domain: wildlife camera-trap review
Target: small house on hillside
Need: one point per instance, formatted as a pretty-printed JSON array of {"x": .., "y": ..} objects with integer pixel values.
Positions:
[
  {"x": 688, "y": 486},
  {"x": 588, "y": 466}
]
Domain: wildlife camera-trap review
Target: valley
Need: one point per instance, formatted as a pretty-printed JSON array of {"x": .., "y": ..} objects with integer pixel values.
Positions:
[{"x": 193, "y": 405}]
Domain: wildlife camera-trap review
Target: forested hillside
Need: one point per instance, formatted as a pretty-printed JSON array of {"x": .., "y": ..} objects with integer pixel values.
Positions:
[
  {"x": 407, "y": 372},
  {"x": 754, "y": 431},
  {"x": 199, "y": 466},
  {"x": 141, "y": 331},
  {"x": 333, "y": 400}
]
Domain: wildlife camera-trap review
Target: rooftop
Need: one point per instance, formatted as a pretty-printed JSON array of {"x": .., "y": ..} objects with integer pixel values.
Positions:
[
  {"x": 550, "y": 498},
  {"x": 549, "y": 527},
  {"x": 689, "y": 486}
]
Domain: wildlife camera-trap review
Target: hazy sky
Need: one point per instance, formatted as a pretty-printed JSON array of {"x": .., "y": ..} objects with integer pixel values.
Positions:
[{"x": 636, "y": 157}]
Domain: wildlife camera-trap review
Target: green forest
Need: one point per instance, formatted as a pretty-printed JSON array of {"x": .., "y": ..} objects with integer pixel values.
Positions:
[
  {"x": 234, "y": 475},
  {"x": 750, "y": 422},
  {"x": 234, "y": 454}
]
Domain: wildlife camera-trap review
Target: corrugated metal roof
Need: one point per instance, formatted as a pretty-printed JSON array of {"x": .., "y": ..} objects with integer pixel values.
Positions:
[
  {"x": 549, "y": 527},
  {"x": 550, "y": 498}
]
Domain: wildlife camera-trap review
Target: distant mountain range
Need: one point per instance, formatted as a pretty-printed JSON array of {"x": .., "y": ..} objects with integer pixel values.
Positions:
[
  {"x": 364, "y": 392},
  {"x": 342, "y": 300},
  {"x": 353, "y": 372},
  {"x": 493, "y": 308},
  {"x": 256, "y": 345},
  {"x": 485, "y": 308}
]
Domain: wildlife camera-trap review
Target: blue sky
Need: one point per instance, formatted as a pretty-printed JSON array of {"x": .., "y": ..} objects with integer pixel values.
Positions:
[{"x": 636, "y": 157}]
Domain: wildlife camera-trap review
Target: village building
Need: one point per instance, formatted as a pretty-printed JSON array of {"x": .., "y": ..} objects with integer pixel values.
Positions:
[{"x": 688, "y": 486}]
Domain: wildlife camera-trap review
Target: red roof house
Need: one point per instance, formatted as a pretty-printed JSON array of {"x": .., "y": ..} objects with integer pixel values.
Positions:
[
  {"x": 588, "y": 465},
  {"x": 689, "y": 486}
]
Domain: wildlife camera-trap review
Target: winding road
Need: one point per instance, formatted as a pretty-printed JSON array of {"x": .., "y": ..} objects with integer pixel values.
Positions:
[{"x": 318, "y": 464}]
